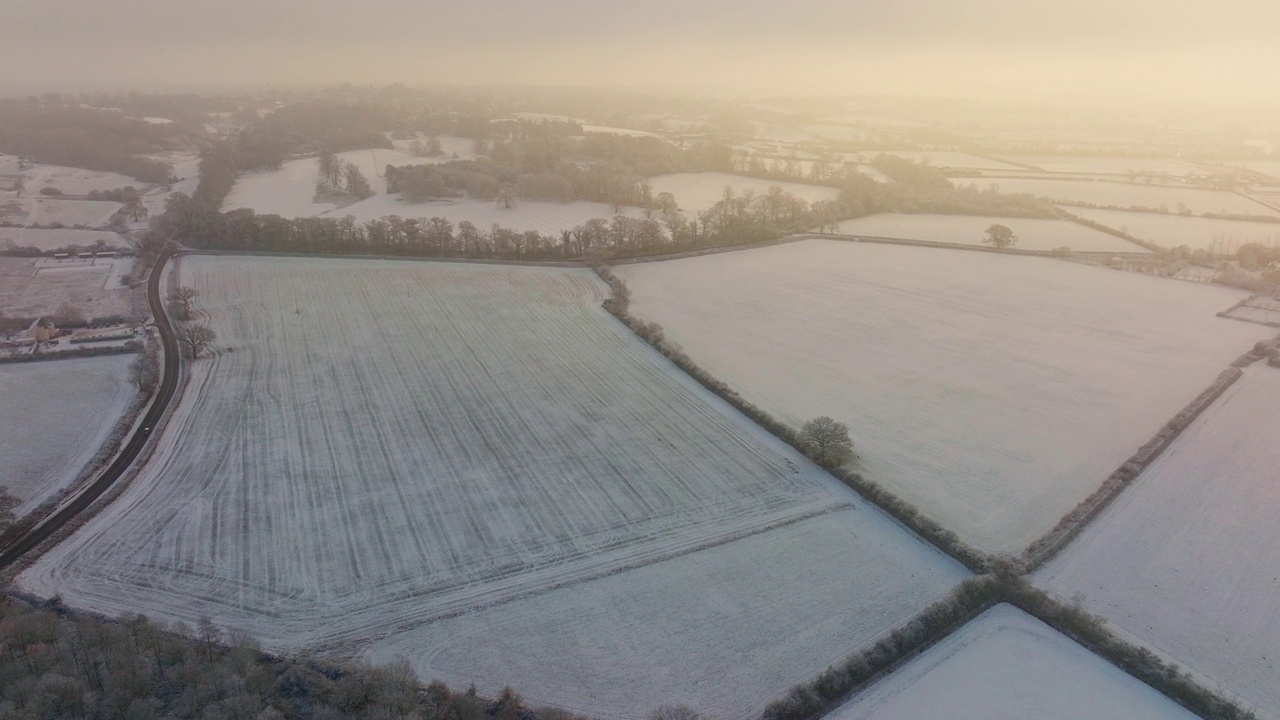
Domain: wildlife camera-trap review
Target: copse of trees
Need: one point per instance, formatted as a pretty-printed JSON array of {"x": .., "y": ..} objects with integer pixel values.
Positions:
[
  {"x": 55, "y": 131},
  {"x": 56, "y": 663}
]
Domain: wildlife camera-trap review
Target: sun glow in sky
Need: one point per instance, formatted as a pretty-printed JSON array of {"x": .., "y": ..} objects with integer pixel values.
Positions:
[{"x": 1087, "y": 50}]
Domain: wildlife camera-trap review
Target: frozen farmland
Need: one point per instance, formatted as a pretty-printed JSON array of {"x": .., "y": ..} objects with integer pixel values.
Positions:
[
  {"x": 378, "y": 448},
  {"x": 1187, "y": 560},
  {"x": 993, "y": 392},
  {"x": 1006, "y": 664}
]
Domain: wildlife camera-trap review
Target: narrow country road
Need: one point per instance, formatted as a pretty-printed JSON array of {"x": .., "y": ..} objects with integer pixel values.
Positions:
[{"x": 122, "y": 462}]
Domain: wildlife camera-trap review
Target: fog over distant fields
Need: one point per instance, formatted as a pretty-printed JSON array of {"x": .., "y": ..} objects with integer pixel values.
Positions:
[{"x": 1089, "y": 50}]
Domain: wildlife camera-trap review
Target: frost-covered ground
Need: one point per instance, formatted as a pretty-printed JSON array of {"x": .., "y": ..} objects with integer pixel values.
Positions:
[
  {"x": 378, "y": 445},
  {"x": 1171, "y": 167},
  {"x": 30, "y": 287},
  {"x": 696, "y": 192},
  {"x": 992, "y": 391},
  {"x": 290, "y": 192},
  {"x": 1187, "y": 560},
  {"x": 1007, "y": 664},
  {"x": 725, "y": 630},
  {"x": 68, "y": 213},
  {"x": 54, "y": 417},
  {"x": 1194, "y": 232},
  {"x": 936, "y": 159},
  {"x": 1171, "y": 199},
  {"x": 971, "y": 230},
  {"x": 50, "y": 239}
]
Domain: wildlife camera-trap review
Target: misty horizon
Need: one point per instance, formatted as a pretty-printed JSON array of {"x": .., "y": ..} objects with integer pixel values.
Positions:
[{"x": 1091, "y": 53}]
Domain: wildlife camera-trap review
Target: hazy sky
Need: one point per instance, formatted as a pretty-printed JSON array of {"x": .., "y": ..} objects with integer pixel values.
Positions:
[{"x": 1227, "y": 50}]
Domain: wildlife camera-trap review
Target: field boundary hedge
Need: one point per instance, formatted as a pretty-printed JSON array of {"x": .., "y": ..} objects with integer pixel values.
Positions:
[
  {"x": 1074, "y": 522},
  {"x": 127, "y": 349},
  {"x": 618, "y": 304},
  {"x": 841, "y": 682}
]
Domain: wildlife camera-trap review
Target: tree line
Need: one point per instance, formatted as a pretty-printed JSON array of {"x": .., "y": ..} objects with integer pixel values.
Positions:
[{"x": 50, "y": 130}]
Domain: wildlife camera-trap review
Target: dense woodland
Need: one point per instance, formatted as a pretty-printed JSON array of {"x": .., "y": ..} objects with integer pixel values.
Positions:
[
  {"x": 64, "y": 134},
  {"x": 56, "y": 663}
]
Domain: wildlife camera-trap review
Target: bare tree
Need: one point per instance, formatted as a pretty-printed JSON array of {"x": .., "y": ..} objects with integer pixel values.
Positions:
[
  {"x": 1000, "y": 236},
  {"x": 182, "y": 297},
  {"x": 827, "y": 441},
  {"x": 195, "y": 337},
  {"x": 144, "y": 371}
]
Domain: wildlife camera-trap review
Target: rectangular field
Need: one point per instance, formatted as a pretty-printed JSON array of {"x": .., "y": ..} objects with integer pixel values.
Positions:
[
  {"x": 290, "y": 192},
  {"x": 1187, "y": 560},
  {"x": 374, "y": 446},
  {"x": 696, "y": 192},
  {"x": 1124, "y": 195},
  {"x": 53, "y": 239},
  {"x": 1171, "y": 167},
  {"x": 31, "y": 287},
  {"x": 1194, "y": 232},
  {"x": 725, "y": 630},
  {"x": 1042, "y": 235},
  {"x": 1007, "y": 664},
  {"x": 54, "y": 417},
  {"x": 992, "y": 391}
]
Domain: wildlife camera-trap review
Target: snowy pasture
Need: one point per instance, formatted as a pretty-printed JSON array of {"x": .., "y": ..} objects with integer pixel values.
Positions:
[
  {"x": 1007, "y": 664},
  {"x": 1125, "y": 195},
  {"x": 1194, "y": 232},
  {"x": 52, "y": 239},
  {"x": 1086, "y": 165},
  {"x": 290, "y": 192},
  {"x": 30, "y": 287},
  {"x": 1186, "y": 561},
  {"x": 940, "y": 159},
  {"x": 725, "y": 630},
  {"x": 54, "y": 417},
  {"x": 971, "y": 230},
  {"x": 992, "y": 391},
  {"x": 696, "y": 192},
  {"x": 375, "y": 446},
  {"x": 69, "y": 213},
  {"x": 75, "y": 181}
]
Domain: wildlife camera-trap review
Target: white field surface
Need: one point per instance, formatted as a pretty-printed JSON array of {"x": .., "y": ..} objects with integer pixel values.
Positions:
[
  {"x": 51, "y": 239},
  {"x": 1125, "y": 195},
  {"x": 1187, "y": 560},
  {"x": 970, "y": 230},
  {"x": 394, "y": 443},
  {"x": 725, "y": 630},
  {"x": 290, "y": 192},
  {"x": 186, "y": 167},
  {"x": 992, "y": 391},
  {"x": 54, "y": 417},
  {"x": 1194, "y": 232},
  {"x": 1109, "y": 165},
  {"x": 1007, "y": 664},
  {"x": 30, "y": 287},
  {"x": 75, "y": 181},
  {"x": 696, "y": 192},
  {"x": 70, "y": 213},
  {"x": 937, "y": 159}
]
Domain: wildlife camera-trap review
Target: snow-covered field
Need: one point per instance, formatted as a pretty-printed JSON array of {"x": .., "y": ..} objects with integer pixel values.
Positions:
[
  {"x": 1125, "y": 195},
  {"x": 290, "y": 192},
  {"x": 1187, "y": 560},
  {"x": 54, "y": 417},
  {"x": 992, "y": 391},
  {"x": 69, "y": 213},
  {"x": 971, "y": 230},
  {"x": 71, "y": 181},
  {"x": 30, "y": 287},
  {"x": 1007, "y": 664},
  {"x": 1171, "y": 167},
  {"x": 696, "y": 192},
  {"x": 51, "y": 239},
  {"x": 378, "y": 445},
  {"x": 940, "y": 159},
  {"x": 1194, "y": 232},
  {"x": 725, "y": 630}
]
